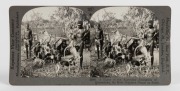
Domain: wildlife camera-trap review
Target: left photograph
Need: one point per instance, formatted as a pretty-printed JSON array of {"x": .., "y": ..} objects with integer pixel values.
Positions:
[{"x": 55, "y": 42}]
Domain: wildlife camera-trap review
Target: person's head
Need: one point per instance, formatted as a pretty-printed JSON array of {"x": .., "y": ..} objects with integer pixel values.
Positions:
[
  {"x": 135, "y": 41},
  {"x": 86, "y": 25},
  {"x": 150, "y": 24},
  {"x": 155, "y": 18},
  {"x": 64, "y": 42},
  {"x": 109, "y": 43},
  {"x": 99, "y": 26},
  {"x": 27, "y": 26},
  {"x": 80, "y": 24}
]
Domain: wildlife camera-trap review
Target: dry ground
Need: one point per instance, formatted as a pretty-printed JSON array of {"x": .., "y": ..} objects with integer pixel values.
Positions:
[
  {"x": 120, "y": 69},
  {"x": 49, "y": 70}
]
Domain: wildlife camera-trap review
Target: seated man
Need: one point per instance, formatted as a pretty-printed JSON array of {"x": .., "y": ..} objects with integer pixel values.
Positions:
[
  {"x": 108, "y": 49},
  {"x": 62, "y": 47}
]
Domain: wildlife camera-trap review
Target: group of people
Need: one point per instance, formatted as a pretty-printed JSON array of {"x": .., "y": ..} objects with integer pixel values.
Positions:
[
  {"x": 44, "y": 51},
  {"x": 83, "y": 29},
  {"x": 139, "y": 47}
]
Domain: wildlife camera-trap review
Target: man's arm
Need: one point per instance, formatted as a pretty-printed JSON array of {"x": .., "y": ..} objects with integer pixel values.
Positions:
[
  {"x": 30, "y": 35},
  {"x": 101, "y": 35},
  {"x": 59, "y": 47},
  {"x": 84, "y": 34}
]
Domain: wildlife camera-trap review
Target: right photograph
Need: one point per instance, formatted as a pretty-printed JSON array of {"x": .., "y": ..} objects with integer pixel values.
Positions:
[{"x": 124, "y": 43}]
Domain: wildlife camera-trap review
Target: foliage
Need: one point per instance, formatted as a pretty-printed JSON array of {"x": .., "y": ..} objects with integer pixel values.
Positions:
[
  {"x": 138, "y": 17},
  {"x": 66, "y": 17}
]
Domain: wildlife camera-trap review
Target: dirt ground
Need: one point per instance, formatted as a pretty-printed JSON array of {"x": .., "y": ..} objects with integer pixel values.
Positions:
[
  {"x": 121, "y": 71},
  {"x": 49, "y": 70}
]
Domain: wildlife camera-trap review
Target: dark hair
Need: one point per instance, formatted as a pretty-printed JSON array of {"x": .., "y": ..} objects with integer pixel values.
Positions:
[
  {"x": 80, "y": 24},
  {"x": 150, "y": 21},
  {"x": 151, "y": 24},
  {"x": 28, "y": 26},
  {"x": 64, "y": 41},
  {"x": 99, "y": 26}
]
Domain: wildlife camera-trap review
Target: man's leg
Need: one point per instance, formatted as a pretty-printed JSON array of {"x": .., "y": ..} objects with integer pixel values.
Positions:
[
  {"x": 97, "y": 50},
  {"x": 30, "y": 45},
  {"x": 101, "y": 47},
  {"x": 81, "y": 54},
  {"x": 107, "y": 53},
  {"x": 27, "y": 51},
  {"x": 151, "y": 54},
  {"x": 36, "y": 53}
]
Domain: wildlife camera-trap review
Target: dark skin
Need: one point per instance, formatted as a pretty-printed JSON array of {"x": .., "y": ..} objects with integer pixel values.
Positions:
[
  {"x": 85, "y": 39},
  {"x": 108, "y": 49},
  {"x": 37, "y": 49},
  {"x": 81, "y": 45},
  {"x": 61, "y": 47},
  {"x": 101, "y": 40},
  {"x": 150, "y": 37},
  {"x": 29, "y": 39},
  {"x": 99, "y": 37}
]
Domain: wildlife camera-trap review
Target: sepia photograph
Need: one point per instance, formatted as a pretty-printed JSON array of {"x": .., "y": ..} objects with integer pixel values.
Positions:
[{"x": 72, "y": 42}]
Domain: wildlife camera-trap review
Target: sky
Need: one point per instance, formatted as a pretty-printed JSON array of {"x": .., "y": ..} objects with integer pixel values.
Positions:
[
  {"x": 46, "y": 12},
  {"x": 118, "y": 13}
]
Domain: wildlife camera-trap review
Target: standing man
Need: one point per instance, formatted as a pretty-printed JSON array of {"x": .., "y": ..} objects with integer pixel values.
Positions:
[
  {"x": 156, "y": 27},
  {"x": 108, "y": 49},
  {"x": 86, "y": 27},
  {"x": 28, "y": 41},
  {"x": 83, "y": 37},
  {"x": 150, "y": 39},
  {"x": 99, "y": 40}
]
